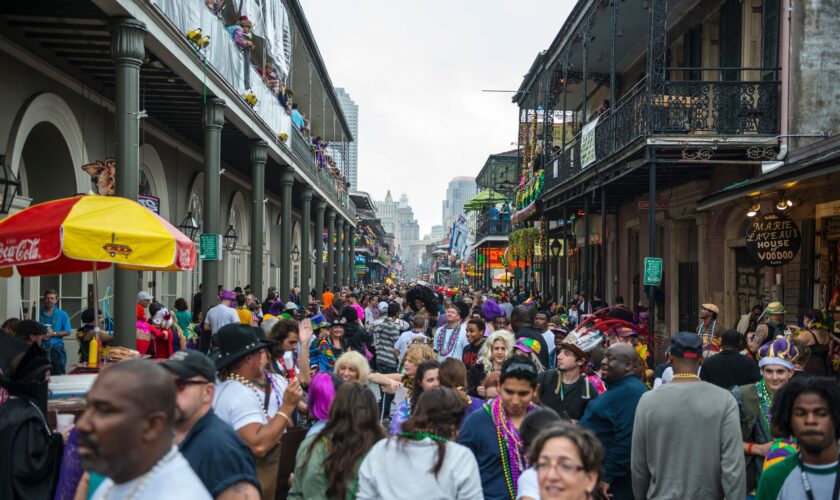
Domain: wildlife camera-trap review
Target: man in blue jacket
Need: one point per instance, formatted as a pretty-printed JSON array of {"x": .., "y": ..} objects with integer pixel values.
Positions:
[{"x": 611, "y": 417}]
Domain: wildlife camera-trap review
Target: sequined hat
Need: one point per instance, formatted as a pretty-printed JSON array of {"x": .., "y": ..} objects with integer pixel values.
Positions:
[{"x": 778, "y": 352}]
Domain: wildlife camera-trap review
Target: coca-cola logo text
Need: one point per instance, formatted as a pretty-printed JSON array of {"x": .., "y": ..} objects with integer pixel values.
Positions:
[{"x": 21, "y": 252}]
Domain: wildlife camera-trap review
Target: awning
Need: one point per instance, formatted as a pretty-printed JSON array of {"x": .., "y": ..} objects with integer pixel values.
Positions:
[
  {"x": 486, "y": 198},
  {"x": 815, "y": 165}
]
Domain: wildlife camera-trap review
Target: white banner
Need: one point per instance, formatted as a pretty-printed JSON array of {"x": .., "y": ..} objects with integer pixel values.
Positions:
[
  {"x": 587, "y": 144},
  {"x": 460, "y": 243}
]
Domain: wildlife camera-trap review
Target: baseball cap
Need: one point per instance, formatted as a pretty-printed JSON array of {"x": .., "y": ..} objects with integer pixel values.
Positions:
[
  {"x": 144, "y": 295},
  {"x": 188, "y": 364},
  {"x": 290, "y": 306},
  {"x": 529, "y": 345},
  {"x": 686, "y": 345}
]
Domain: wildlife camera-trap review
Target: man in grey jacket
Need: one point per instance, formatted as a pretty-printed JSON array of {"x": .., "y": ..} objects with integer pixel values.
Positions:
[{"x": 687, "y": 434}]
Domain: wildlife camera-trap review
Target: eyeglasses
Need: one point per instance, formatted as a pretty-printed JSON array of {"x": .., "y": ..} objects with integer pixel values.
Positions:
[
  {"x": 560, "y": 467},
  {"x": 181, "y": 384}
]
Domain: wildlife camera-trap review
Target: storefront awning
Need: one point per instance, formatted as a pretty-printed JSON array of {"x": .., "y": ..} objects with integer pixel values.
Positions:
[{"x": 822, "y": 162}]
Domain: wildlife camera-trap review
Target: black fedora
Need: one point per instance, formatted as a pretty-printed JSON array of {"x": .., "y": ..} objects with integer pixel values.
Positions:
[{"x": 235, "y": 342}]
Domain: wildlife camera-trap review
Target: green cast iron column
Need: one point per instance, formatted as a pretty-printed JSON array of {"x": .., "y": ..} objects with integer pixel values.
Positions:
[
  {"x": 305, "y": 246},
  {"x": 320, "y": 205},
  {"x": 213, "y": 121},
  {"x": 259, "y": 155},
  {"x": 287, "y": 181},
  {"x": 330, "y": 277},
  {"x": 128, "y": 52}
]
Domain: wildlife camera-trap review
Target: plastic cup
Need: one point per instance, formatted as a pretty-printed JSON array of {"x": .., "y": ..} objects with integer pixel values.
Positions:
[{"x": 64, "y": 421}]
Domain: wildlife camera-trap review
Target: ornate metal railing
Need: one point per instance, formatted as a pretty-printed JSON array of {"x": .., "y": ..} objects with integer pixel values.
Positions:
[
  {"x": 300, "y": 148},
  {"x": 685, "y": 107},
  {"x": 717, "y": 108},
  {"x": 493, "y": 227}
]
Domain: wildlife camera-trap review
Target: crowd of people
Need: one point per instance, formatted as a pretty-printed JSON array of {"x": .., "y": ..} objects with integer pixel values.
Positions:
[{"x": 405, "y": 391}]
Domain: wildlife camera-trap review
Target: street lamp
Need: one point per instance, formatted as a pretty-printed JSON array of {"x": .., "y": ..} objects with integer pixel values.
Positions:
[
  {"x": 8, "y": 185},
  {"x": 295, "y": 254},
  {"x": 230, "y": 238},
  {"x": 189, "y": 226},
  {"x": 555, "y": 248}
]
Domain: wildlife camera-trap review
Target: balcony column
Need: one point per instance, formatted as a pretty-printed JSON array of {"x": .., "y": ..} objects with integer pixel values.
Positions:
[
  {"x": 127, "y": 51},
  {"x": 586, "y": 258},
  {"x": 320, "y": 206},
  {"x": 603, "y": 282},
  {"x": 586, "y": 27},
  {"x": 287, "y": 180},
  {"x": 563, "y": 163},
  {"x": 258, "y": 156},
  {"x": 614, "y": 30},
  {"x": 330, "y": 274},
  {"x": 305, "y": 246},
  {"x": 213, "y": 121},
  {"x": 351, "y": 254},
  {"x": 564, "y": 262},
  {"x": 658, "y": 354},
  {"x": 339, "y": 252},
  {"x": 657, "y": 26}
]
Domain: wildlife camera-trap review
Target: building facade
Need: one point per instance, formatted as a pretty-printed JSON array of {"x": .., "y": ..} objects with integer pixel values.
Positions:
[
  {"x": 194, "y": 127},
  {"x": 677, "y": 131}
]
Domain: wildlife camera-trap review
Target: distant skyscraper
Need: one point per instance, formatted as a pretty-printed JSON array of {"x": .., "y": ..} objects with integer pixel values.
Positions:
[
  {"x": 351, "y": 112},
  {"x": 459, "y": 191}
]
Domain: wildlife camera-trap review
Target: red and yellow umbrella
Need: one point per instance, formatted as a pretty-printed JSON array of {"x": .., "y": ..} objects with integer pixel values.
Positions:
[{"x": 81, "y": 233}]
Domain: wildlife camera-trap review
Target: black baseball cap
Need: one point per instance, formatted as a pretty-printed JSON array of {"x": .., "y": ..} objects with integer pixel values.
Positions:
[
  {"x": 686, "y": 345},
  {"x": 188, "y": 364}
]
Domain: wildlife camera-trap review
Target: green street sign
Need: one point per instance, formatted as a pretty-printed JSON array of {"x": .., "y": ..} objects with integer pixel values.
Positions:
[
  {"x": 653, "y": 271},
  {"x": 210, "y": 246}
]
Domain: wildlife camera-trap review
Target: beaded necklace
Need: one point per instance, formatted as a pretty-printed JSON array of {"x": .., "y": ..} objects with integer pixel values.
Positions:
[
  {"x": 765, "y": 401},
  {"x": 138, "y": 488},
  {"x": 510, "y": 444},
  {"x": 707, "y": 335},
  {"x": 450, "y": 345},
  {"x": 419, "y": 436},
  {"x": 250, "y": 385}
]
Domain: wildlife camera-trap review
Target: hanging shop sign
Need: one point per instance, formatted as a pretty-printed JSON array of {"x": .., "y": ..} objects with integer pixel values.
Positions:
[
  {"x": 773, "y": 239},
  {"x": 494, "y": 258},
  {"x": 645, "y": 205}
]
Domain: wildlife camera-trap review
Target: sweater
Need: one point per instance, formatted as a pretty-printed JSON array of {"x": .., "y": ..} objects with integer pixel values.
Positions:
[
  {"x": 711, "y": 467},
  {"x": 610, "y": 417},
  {"x": 310, "y": 480},
  {"x": 478, "y": 433},
  {"x": 411, "y": 463}
]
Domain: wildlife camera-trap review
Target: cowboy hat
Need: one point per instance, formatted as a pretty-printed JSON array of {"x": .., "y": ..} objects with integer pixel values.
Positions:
[{"x": 235, "y": 342}]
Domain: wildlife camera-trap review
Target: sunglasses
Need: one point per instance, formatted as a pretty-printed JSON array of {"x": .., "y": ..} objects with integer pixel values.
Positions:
[
  {"x": 521, "y": 367},
  {"x": 181, "y": 384}
]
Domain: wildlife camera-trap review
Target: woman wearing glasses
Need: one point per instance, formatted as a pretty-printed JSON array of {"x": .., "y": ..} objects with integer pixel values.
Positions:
[{"x": 568, "y": 462}]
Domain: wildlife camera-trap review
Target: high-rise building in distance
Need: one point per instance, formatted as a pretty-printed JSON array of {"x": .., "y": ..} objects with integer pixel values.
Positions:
[{"x": 351, "y": 113}]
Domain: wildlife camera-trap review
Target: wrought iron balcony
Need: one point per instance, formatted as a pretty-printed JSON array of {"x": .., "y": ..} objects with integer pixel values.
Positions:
[
  {"x": 493, "y": 227},
  {"x": 686, "y": 109}
]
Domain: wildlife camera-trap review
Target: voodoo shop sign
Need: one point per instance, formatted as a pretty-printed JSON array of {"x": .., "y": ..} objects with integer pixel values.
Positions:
[{"x": 773, "y": 239}]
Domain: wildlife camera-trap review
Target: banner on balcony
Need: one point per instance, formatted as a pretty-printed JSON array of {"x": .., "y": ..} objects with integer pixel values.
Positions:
[
  {"x": 587, "y": 144},
  {"x": 459, "y": 244}
]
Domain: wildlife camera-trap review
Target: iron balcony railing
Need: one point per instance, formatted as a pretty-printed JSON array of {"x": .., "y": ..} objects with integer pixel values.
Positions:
[
  {"x": 685, "y": 108},
  {"x": 493, "y": 227}
]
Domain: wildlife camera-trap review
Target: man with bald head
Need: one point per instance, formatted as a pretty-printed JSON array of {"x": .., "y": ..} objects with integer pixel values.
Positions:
[
  {"x": 611, "y": 416},
  {"x": 126, "y": 434}
]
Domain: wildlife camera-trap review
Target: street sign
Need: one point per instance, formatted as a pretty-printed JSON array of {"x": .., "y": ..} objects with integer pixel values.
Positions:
[
  {"x": 653, "y": 271},
  {"x": 210, "y": 246}
]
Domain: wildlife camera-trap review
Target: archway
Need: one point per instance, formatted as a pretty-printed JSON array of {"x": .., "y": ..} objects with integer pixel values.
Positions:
[{"x": 236, "y": 261}]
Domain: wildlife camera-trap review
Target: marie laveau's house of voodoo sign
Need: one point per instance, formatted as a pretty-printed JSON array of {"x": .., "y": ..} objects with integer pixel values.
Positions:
[{"x": 773, "y": 239}]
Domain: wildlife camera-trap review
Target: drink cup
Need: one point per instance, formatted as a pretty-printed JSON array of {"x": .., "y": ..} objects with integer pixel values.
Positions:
[{"x": 64, "y": 421}]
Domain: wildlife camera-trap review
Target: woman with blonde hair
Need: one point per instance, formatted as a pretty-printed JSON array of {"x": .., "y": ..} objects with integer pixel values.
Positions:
[
  {"x": 496, "y": 350},
  {"x": 352, "y": 367}
]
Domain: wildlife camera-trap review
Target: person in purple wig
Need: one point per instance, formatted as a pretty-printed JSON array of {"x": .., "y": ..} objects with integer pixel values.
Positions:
[{"x": 321, "y": 394}]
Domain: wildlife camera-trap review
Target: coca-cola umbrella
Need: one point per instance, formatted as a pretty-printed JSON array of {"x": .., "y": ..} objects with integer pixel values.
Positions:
[{"x": 91, "y": 232}]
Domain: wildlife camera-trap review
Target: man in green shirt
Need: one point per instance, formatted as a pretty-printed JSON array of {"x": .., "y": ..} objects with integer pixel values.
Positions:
[{"x": 809, "y": 410}]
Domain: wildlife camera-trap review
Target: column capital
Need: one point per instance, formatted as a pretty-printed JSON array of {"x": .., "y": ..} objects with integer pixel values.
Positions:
[
  {"x": 307, "y": 193},
  {"x": 214, "y": 113},
  {"x": 320, "y": 204},
  {"x": 259, "y": 152},
  {"x": 287, "y": 177},
  {"x": 127, "y": 40},
  {"x": 330, "y": 214}
]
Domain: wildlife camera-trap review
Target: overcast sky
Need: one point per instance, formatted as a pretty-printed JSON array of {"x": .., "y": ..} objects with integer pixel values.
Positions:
[{"x": 416, "y": 69}]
